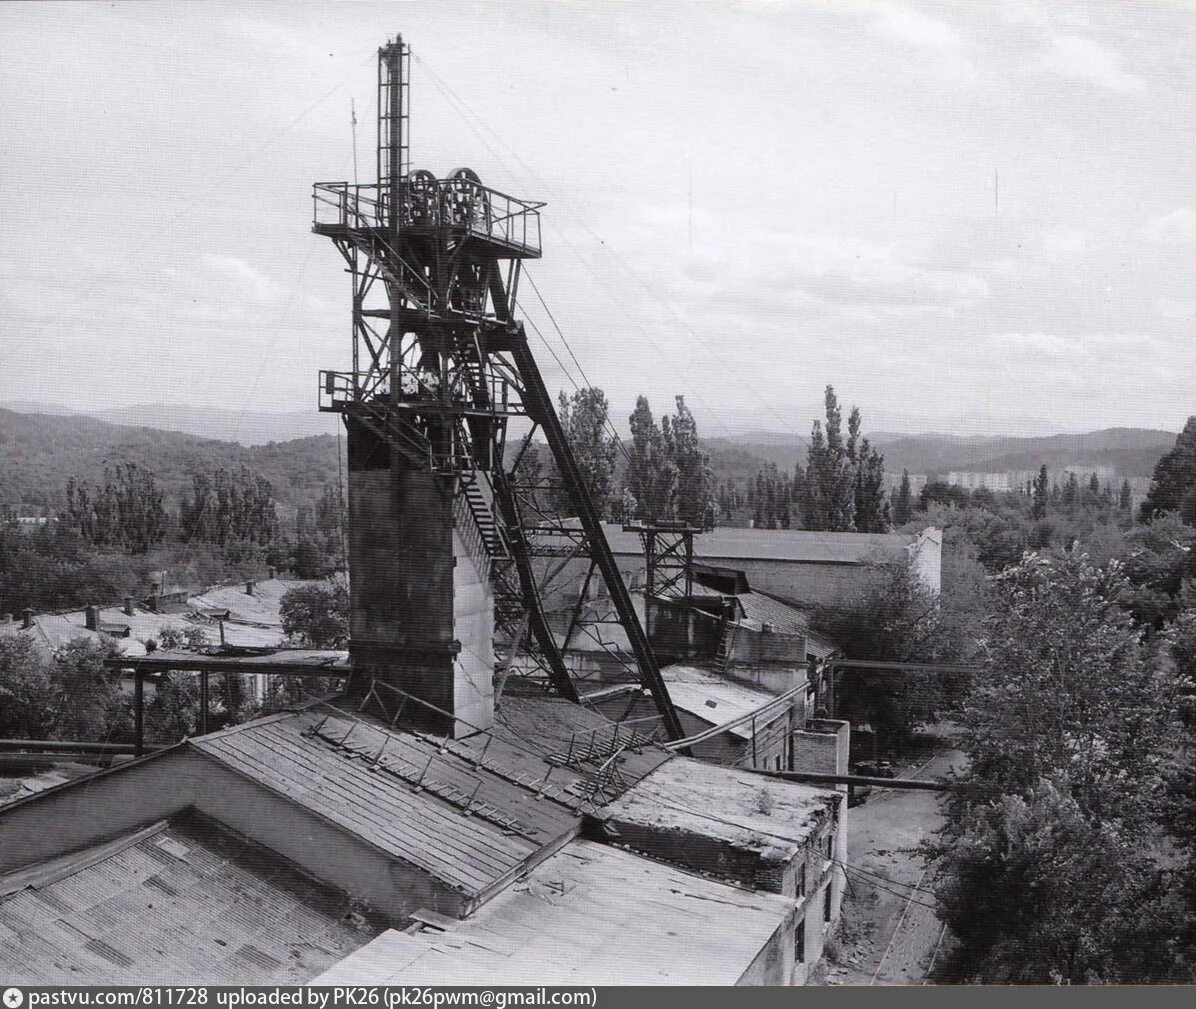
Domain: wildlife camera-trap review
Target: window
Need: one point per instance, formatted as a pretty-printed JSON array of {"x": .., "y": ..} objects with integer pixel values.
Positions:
[
  {"x": 801, "y": 880},
  {"x": 778, "y": 763},
  {"x": 799, "y": 941},
  {"x": 828, "y": 844},
  {"x": 826, "y": 904}
]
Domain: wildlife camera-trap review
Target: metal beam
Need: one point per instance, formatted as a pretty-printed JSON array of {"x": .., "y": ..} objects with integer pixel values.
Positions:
[
  {"x": 903, "y": 667},
  {"x": 540, "y": 408},
  {"x": 815, "y": 778}
]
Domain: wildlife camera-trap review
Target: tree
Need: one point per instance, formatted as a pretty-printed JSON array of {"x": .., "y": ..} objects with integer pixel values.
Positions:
[
  {"x": 903, "y": 505},
  {"x": 87, "y": 702},
  {"x": 125, "y": 512},
  {"x": 895, "y": 618},
  {"x": 1065, "y": 690},
  {"x": 584, "y": 419},
  {"x": 1035, "y": 892},
  {"x": 1050, "y": 863},
  {"x": 651, "y": 475},
  {"x": 1173, "y": 485},
  {"x": 830, "y": 475},
  {"x": 1071, "y": 491},
  {"x": 694, "y": 478},
  {"x": 1125, "y": 500},
  {"x": 25, "y": 711},
  {"x": 939, "y": 492},
  {"x": 317, "y": 616},
  {"x": 230, "y": 507},
  {"x": 868, "y": 466}
]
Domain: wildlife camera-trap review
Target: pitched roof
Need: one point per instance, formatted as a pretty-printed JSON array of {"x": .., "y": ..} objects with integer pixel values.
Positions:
[
  {"x": 182, "y": 902},
  {"x": 590, "y": 914},
  {"x": 764, "y": 609},
  {"x": 717, "y": 700},
  {"x": 400, "y": 792},
  {"x": 253, "y": 620}
]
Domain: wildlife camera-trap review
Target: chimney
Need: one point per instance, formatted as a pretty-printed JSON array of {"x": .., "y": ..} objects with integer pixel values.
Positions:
[
  {"x": 92, "y": 617},
  {"x": 249, "y": 588},
  {"x": 26, "y": 618},
  {"x": 128, "y": 606},
  {"x": 156, "y": 587},
  {"x": 271, "y": 573}
]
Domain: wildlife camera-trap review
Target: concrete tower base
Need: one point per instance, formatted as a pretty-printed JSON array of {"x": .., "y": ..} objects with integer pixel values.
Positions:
[{"x": 421, "y": 601}]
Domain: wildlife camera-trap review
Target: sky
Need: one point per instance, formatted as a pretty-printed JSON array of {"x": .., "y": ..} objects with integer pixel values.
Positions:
[{"x": 971, "y": 217}]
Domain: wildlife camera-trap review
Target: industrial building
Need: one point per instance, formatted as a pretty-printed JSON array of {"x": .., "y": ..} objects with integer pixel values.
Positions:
[
  {"x": 184, "y": 864},
  {"x": 453, "y": 807}
]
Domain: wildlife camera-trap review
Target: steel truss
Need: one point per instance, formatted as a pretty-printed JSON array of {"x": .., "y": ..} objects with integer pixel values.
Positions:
[{"x": 440, "y": 365}]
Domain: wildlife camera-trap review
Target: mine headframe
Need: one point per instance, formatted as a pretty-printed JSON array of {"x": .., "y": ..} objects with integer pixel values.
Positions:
[{"x": 440, "y": 365}]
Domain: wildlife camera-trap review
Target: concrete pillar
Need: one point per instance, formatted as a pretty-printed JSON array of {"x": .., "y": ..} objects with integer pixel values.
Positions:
[
  {"x": 128, "y": 607},
  {"x": 249, "y": 588},
  {"x": 421, "y": 602},
  {"x": 26, "y": 618},
  {"x": 271, "y": 573},
  {"x": 91, "y": 617}
]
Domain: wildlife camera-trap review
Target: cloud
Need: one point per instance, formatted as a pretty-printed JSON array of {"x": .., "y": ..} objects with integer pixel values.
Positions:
[
  {"x": 943, "y": 48},
  {"x": 915, "y": 27},
  {"x": 1176, "y": 226},
  {"x": 1063, "y": 244},
  {"x": 1081, "y": 59},
  {"x": 1040, "y": 343},
  {"x": 248, "y": 280}
]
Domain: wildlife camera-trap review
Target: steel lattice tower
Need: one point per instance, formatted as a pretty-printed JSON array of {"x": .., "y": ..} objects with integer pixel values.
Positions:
[{"x": 446, "y": 537}]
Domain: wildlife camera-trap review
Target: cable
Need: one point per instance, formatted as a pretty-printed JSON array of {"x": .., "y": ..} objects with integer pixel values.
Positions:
[
  {"x": 887, "y": 879},
  {"x": 458, "y": 104},
  {"x": 895, "y": 893},
  {"x": 456, "y": 100},
  {"x": 606, "y": 420},
  {"x": 146, "y": 242}
]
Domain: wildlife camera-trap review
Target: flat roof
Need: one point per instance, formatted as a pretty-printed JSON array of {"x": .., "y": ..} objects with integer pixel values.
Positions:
[
  {"x": 728, "y": 803},
  {"x": 178, "y": 902},
  {"x": 590, "y": 914}
]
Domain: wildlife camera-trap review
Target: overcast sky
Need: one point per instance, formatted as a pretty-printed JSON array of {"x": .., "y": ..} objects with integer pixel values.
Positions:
[{"x": 968, "y": 216}]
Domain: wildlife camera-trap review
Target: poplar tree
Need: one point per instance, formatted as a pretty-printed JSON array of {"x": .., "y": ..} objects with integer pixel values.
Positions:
[
  {"x": 1041, "y": 494},
  {"x": 584, "y": 418},
  {"x": 694, "y": 477},
  {"x": 902, "y": 508}
]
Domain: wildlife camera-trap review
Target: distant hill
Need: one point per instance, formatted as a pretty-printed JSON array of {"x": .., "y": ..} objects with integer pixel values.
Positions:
[
  {"x": 40, "y": 452},
  {"x": 1131, "y": 451},
  {"x": 246, "y": 427}
]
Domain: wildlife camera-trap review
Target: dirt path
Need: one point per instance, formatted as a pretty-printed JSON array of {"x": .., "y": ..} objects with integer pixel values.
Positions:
[{"x": 889, "y": 932}]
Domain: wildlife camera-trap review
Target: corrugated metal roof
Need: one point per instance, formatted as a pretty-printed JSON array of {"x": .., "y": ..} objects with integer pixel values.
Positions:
[
  {"x": 763, "y": 609},
  {"x": 297, "y": 756},
  {"x": 589, "y": 914},
  {"x": 179, "y": 903}
]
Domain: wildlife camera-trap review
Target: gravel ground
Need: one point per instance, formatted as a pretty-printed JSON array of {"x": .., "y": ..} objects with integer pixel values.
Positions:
[{"x": 885, "y": 937}]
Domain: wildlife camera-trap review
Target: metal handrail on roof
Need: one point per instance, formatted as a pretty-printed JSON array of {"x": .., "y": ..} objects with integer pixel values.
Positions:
[{"x": 768, "y": 708}]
